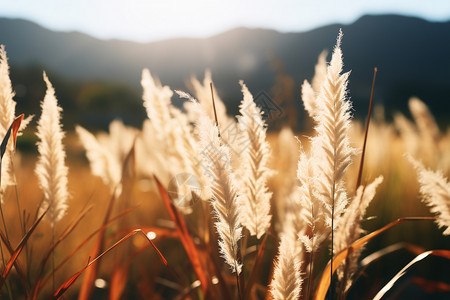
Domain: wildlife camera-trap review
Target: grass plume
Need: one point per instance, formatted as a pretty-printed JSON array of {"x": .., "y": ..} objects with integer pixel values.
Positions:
[
  {"x": 255, "y": 196},
  {"x": 51, "y": 169}
]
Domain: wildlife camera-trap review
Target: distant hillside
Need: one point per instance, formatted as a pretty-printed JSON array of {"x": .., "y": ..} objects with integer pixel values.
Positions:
[{"x": 412, "y": 56}]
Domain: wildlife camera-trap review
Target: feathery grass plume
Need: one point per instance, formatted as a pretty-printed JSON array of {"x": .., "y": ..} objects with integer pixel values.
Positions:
[
  {"x": 408, "y": 133},
  {"x": 254, "y": 198},
  {"x": 331, "y": 145},
  {"x": 119, "y": 141},
  {"x": 157, "y": 103},
  {"x": 286, "y": 283},
  {"x": 107, "y": 152},
  {"x": 228, "y": 127},
  {"x": 202, "y": 92},
  {"x": 350, "y": 228},
  {"x": 311, "y": 91},
  {"x": 188, "y": 146},
  {"x": 292, "y": 222},
  {"x": 427, "y": 128},
  {"x": 7, "y": 108},
  {"x": 101, "y": 160},
  {"x": 7, "y": 104},
  {"x": 309, "y": 98},
  {"x": 312, "y": 214},
  {"x": 444, "y": 154},
  {"x": 172, "y": 132},
  {"x": 151, "y": 154},
  {"x": 435, "y": 190},
  {"x": 320, "y": 71},
  {"x": 284, "y": 181},
  {"x": 50, "y": 168},
  {"x": 216, "y": 160},
  {"x": 424, "y": 119}
]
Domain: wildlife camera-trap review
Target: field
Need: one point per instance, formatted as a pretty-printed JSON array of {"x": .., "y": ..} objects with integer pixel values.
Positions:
[{"x": 199, "y": 205}]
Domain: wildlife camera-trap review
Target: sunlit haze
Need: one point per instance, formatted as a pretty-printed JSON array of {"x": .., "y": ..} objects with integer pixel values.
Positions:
[{"x": 144, "y": 20}]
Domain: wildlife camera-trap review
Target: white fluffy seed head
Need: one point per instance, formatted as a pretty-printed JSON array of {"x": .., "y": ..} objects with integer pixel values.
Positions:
[
  {"x": 312, "y": 213},
  {"x": 50, "y": 168},
  {"x": 102, "y": 162},
  {"x": 216, "y": 161},
  {"x": 255, "y": 196},
  {"x": 286, "y": 282},
  {"x": 157, "y": 103},
  {"x": 7, "y": 109},
  {"x": 435, "y": 191},
  {"x": 331, "y": 146},
  {"x": 311, "y": 91},
  {"x": 350, "y": 228}
]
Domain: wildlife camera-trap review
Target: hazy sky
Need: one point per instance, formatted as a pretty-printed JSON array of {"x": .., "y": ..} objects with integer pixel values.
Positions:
[{"x": 146, "y": 20}]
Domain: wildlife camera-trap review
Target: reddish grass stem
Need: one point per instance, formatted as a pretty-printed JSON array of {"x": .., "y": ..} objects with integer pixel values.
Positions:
[
  {"x": 214, "y": 107},
  {"x": 358, "y": 181}
]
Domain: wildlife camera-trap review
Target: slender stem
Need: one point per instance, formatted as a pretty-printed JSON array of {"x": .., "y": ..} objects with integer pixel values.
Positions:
[
  {"x": 214, "y": 107},
  {"x": 3, "y": 257},
  {"x": 257, "y": 248},
  {"x": 8, "y": 288},
  {"x": 19, "y": 210},
  {"x": 346, "y": 271},
  {"x": 310, "y": 279},
  {"x": 3, "y": 220},
  {"x": 358, "y": 181},
  {"x": 237, "y": 281},
  {"x": 53, "y": 257},
  {"x": 1, "y": 247},
  {"x": 311, "y": 258},
  {"x": 332, "y": 248}
]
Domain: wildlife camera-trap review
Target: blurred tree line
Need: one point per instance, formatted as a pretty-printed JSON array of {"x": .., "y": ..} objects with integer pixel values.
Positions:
[{"x": 90, "y": 104}]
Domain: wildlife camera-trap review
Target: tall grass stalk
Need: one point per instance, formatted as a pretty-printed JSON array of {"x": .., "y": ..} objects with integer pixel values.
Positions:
[
  {"x": 366, "y": 131},
  {"x": 50, "y": 168},
  {"x": 332, "y": 142}
]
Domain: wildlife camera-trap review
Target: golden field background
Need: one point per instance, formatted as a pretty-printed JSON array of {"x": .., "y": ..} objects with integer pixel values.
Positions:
[{"x": 398, "y": 196}]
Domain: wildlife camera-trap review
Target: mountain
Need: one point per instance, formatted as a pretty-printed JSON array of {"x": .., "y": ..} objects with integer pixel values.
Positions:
[{"x": 412, "y": 56}]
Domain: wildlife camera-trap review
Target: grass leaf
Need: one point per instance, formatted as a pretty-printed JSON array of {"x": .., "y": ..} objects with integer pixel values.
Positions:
[
  {"x": 390, "y": 284},
  {"x": 68, "y": 283},
  {"x": 14, "y": 128},
  {"x": 19, "y": 249},
  {"x": 324, "y": 283},
  {"x": 185, "y": 237}
]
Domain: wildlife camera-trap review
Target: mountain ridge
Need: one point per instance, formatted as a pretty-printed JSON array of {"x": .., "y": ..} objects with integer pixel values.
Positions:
[{"x": 410, "y": 53}]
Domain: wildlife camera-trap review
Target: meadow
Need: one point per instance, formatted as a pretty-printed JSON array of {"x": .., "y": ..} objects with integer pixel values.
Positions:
[{"x": 197, "y": 204}]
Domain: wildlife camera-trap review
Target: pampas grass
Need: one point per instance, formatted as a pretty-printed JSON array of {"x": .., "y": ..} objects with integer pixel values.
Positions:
[
  {"x": 435, "y": 191},
  {"x": 157, "y": 103},
  {"x": 312, "y": 213},
  {"x": 254, "y": 197},
  {"x": 286, "y": 283},
  {"x": 424, "y": 119},
  {"x": 175, "y": 135},
  {"x": 202, "y": 92},
  {"x": 331, "y": 145},
  {"x": 51, "y": 169},
  {"x": 7, "y": 108},
  {"x": 350, "y": 229},
  {"x": 310, "y": 91},
  {"x": 102, "y": 162},
  {"x": 216, "y": 159},
  {"x": 284, "y": 181}
]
